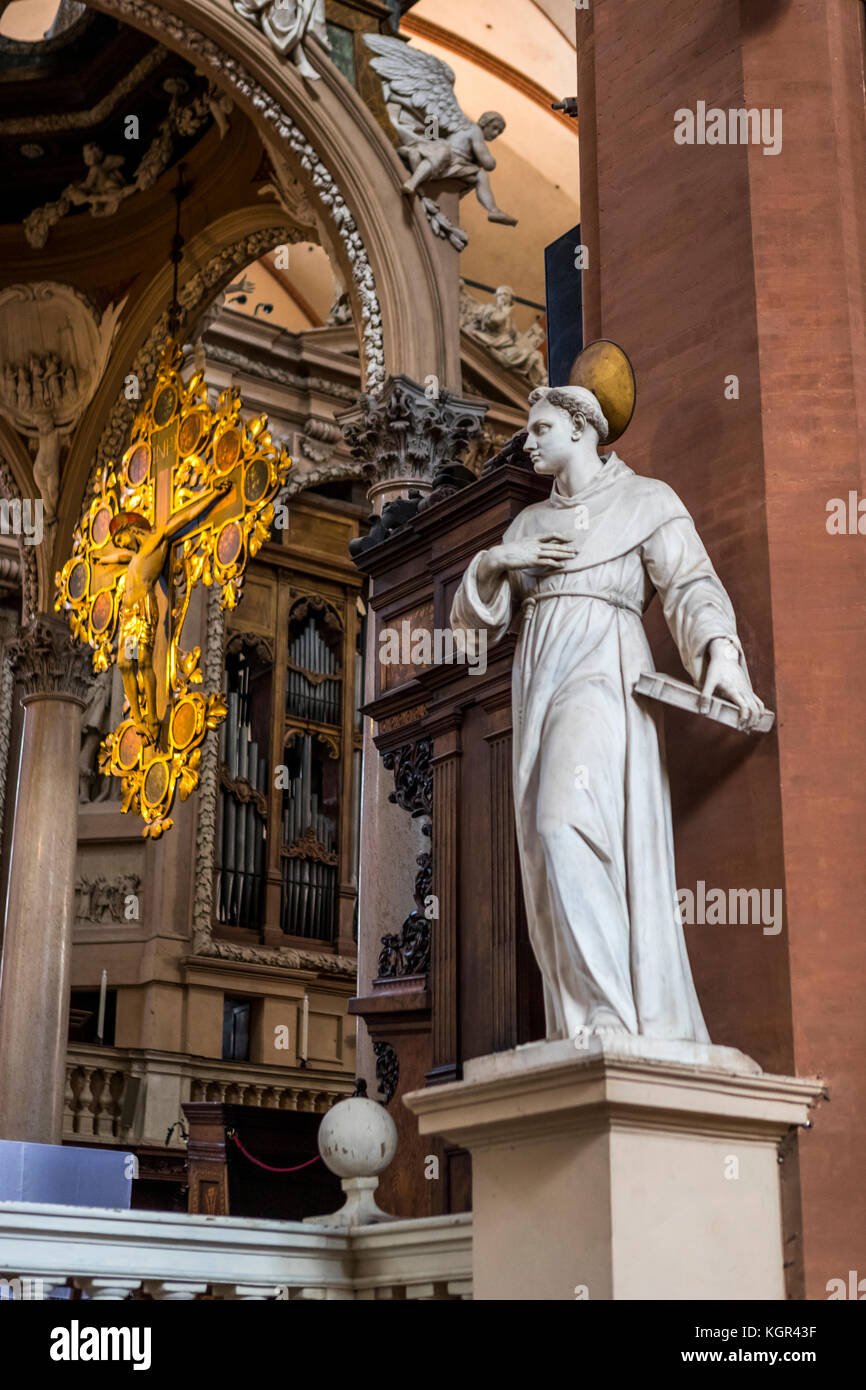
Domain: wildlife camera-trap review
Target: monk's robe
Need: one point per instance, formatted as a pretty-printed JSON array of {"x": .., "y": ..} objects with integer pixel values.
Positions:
[{"x": 591, "y": 792}]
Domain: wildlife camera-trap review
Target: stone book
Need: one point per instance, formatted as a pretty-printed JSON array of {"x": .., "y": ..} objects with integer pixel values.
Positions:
[{"x": 669, "y": 691}]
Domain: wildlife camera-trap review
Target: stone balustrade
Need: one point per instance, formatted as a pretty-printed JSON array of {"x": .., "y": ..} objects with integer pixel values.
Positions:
[
  {"x": 97, "y": 1080},
  {"x": 112, "y": 1254}
]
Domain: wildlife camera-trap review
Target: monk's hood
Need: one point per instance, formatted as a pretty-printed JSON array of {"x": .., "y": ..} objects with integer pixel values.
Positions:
[{"x": 615, "y": 514}]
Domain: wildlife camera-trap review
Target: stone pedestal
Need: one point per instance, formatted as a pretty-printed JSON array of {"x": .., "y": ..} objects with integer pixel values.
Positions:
[
  {"x": 626, "y": 1170},
  {"x": 34, "y": 971}
]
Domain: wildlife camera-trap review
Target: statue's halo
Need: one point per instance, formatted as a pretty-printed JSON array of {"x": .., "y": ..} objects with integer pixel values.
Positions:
[
  {"x": 133, "y": 519},
  {"x": 604, "y": 369}
]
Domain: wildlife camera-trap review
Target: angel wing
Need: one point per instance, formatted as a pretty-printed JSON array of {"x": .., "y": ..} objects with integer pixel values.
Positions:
[{"x": 419, "y": 83}]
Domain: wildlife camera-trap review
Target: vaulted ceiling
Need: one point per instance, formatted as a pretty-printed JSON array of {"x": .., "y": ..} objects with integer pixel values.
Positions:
[{"x": 75, "y": 89}]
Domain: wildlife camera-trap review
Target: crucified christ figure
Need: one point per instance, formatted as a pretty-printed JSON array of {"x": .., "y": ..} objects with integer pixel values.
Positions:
[{"x": 141, "y": 553}]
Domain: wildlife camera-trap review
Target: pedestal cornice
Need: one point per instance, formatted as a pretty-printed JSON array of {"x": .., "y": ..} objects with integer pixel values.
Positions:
[{"x": 548, "y": 1089}]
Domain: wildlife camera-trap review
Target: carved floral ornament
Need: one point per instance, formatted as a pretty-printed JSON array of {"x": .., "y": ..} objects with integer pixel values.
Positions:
[
  {"x": 413, "y": 778},
  {"x": 260, "y": 646},
  {"x": 316, "y": 603},
  {"x": 330, "y": 742},
  {"x": 407, "y": 952},
  {"x": 387, "y": 1070},
  {"x": 407, "y": 432},
  {"x": 206, "y": 53}
]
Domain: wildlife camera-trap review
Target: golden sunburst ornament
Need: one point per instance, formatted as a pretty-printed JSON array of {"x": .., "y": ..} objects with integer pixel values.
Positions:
[{"x": 190, "y": 502}]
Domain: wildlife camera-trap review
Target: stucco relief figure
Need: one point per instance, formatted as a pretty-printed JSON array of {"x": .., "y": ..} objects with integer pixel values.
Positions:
[
  {"x": 288, "y": 24},
  {"x": 103, "y": 187},
  {"x": 493, "y": 326},
  {"x": 439, "y": 141},
  {"x": 94, "y": 726},
  {"x": 46, "y": 464},
  {"x": 591, "y": 793},
  {"x": 54, "y": 350}
]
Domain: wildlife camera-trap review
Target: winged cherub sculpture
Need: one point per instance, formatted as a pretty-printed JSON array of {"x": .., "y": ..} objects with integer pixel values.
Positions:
[{"x": 439, "y": 141}]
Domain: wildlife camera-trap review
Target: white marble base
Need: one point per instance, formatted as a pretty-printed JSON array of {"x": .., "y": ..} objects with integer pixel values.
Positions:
[
  {"x": 610, "y": 1045},
  {"x": 630, "y": 1170}
]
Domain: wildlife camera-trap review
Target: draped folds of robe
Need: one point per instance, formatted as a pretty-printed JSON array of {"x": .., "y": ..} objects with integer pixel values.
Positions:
[{"x": 590, "y": 786}]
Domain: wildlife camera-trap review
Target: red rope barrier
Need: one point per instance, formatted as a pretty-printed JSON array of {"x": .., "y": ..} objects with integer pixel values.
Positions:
[{"x": 268, "y": 1166}]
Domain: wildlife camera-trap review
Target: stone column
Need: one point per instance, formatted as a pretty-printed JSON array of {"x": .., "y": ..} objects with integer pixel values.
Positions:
[
  {"x": 54, "y": 674},
  {"x": 403, "y": 434}
]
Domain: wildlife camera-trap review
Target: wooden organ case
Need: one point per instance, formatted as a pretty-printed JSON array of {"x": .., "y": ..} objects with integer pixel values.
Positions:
[
  {"x": 462, "y": 981},
  {"x": 290, "y": 763}
]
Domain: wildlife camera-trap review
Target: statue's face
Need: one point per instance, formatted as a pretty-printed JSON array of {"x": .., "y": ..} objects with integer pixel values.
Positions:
[
  {"x": 127, "y": 538},
  {"x": 551, "y": 438},
  {"x": 492, "y": 128}
]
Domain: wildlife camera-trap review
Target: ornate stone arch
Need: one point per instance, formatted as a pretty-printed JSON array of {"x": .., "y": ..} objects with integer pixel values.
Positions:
[
  {"x": 349, "y": 170},
  {"x": 389, "y": 263},
  {"x": 214, "y": 257},
  {"x": 219, "y": 252}
]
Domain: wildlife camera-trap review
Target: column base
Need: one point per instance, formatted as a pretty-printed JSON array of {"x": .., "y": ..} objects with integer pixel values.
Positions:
[{"x": 621, "y": 1168}]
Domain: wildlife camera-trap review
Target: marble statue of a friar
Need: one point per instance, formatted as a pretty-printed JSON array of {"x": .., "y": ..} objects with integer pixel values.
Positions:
[{"x": 590, "y": 787}]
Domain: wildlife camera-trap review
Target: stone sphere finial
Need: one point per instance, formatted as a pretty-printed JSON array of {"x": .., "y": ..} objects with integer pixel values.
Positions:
[{"x": 357, "y": 1141}]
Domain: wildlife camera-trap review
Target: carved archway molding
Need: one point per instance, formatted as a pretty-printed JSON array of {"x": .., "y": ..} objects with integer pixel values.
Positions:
[
  {"x": 215, "y": 257},
  {"x": 212, "y": 258},
  {"x": 348, "y": 167}
]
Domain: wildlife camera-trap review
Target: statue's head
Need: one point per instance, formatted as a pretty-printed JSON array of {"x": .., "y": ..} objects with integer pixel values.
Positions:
[
  {"x": 128, "y": 530},
  {"x": 491, "y": 124},
  {"x": 505, "y": 296},
  {"x": 559, "y": 418},
  {"x": 92, "y": 154}
]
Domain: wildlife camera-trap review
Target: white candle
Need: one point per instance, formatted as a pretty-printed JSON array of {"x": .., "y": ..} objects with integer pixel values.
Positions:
[
  {"x": 305, "y": 1029},
  {"x": 103, "y": 989}
]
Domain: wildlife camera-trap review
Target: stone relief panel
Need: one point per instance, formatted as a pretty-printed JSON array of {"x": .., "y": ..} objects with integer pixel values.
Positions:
[{"x": 53, "y": 349}]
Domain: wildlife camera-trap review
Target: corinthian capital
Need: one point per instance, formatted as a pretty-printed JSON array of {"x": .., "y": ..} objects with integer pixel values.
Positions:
[
  {"x": 47, "y": 661},
  {"x": 406, "y": 431}
]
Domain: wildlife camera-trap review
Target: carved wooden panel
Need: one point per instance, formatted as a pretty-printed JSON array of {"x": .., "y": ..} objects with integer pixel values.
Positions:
[{"x": 446, "y": 1048}]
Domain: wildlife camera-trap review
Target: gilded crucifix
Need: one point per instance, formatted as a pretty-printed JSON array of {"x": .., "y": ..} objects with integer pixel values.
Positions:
[{"x": 190, "y": 502}]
